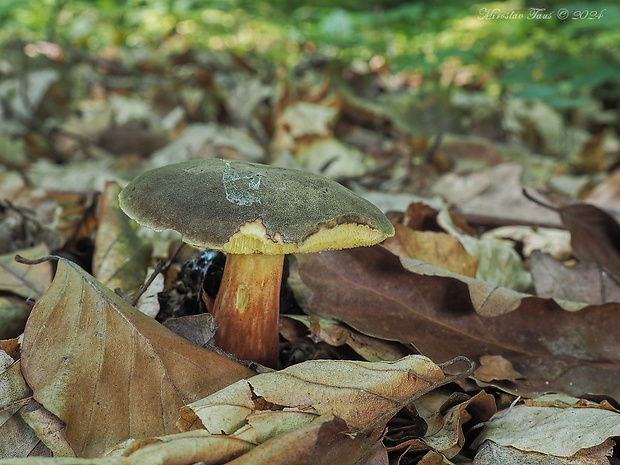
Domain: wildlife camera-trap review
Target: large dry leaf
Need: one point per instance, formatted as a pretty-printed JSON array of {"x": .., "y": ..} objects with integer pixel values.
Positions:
[
  {"x": 120, "y": 258},
  {"x": 571, "y": 351},
  {"x": 361, "y": 393},
  {"x": 108, "y": 371},
  {"x": 23, "y": 280}
]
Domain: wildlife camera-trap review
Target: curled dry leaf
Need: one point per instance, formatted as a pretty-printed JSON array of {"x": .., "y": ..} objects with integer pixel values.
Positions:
[
  {"x": 361, "y": 393},
  {"x": 445, "y": 315},
  {"x": 186, "y": 448},
  {"x": 444, "y": 414},
  {"x": 108, "y": 371},
  {"x": 450, "y": 439}
]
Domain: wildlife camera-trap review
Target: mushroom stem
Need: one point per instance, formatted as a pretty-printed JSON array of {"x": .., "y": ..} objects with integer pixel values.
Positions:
[{"x": 247, "y": 307}]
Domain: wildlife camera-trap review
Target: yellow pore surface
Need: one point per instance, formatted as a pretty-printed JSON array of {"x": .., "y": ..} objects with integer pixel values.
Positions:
[{"x": 253, "y": 238}]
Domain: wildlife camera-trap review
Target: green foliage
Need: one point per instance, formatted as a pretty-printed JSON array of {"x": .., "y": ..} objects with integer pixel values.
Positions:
[{"x": 561, "y": 61}]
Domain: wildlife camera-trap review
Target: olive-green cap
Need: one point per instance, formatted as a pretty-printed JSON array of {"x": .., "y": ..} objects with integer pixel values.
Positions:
[{"x": 242, "y": 208}]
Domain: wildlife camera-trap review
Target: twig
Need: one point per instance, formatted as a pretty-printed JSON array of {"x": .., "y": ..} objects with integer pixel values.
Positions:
[
  {"x": 528, "y": 196},
  {"x": 17, "y": 403},
  {"x": 27, "y": 261}
]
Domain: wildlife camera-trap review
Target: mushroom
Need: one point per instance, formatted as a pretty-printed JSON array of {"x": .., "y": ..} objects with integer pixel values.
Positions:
[{"x": 256, "y": 214}]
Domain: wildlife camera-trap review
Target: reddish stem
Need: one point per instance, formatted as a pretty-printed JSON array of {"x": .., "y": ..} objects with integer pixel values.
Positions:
[{"x": 247, "y": 307}]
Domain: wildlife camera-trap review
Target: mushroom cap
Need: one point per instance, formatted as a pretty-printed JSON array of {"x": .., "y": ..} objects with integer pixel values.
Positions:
[{"x": 242, "y": 208}]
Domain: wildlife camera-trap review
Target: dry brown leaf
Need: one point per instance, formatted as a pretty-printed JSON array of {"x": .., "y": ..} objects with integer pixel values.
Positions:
[
  {"x": 420, "y": 217},
  {"x": 180, "y": 449},
  {"x": 583, "y": 282},
  {"x": 120, "y": 258},
  {"x": 23, "y": 280},
  {"x": 440, "y": 249},
  {"x": 444, "y": 316},
  {"x": 108, "y": 371}
]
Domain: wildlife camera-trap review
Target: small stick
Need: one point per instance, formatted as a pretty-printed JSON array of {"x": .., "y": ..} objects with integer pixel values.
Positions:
[
  {"x": 27, "y": 261},
  {"x": 17, "y": 403}
]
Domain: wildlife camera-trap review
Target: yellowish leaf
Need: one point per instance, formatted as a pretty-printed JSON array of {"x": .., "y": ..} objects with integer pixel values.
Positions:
[
  {"x": 360, "y": 393},
  {"x": 440, "y": 249}
]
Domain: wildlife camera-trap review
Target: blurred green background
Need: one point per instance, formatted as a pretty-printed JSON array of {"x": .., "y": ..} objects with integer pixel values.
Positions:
[{"x": 563, "y": 62}]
